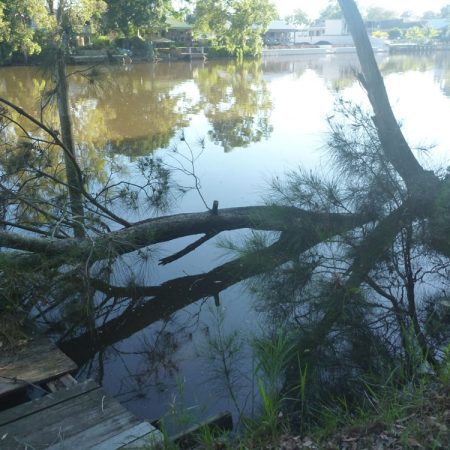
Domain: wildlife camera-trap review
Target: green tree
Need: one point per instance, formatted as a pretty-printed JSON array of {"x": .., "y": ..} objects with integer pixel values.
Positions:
[
  {"x": 428, "y": 15},
  {"x": 332, "y": 11},
  {"x": 130, "y": 17},
  {"x": 406, "y": 14},
  {"x": 420, "y": 34},
  {"x": 19, "y": 20},
  {"x": 395, "y": 33},
  {"x": 377, "y": 13},
  {"x": 298, "y": 18},
  {"x": 238, "y": 25},
  {"x": 445, "y": 12},
  {"x": 381, "y": 35}
]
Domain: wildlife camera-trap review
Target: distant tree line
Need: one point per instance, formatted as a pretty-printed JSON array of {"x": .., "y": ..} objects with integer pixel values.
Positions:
[
  {"x": 377, "y": 14},
  {"x": 27, "y": 26},
  {"x": 234, "y": 27}
]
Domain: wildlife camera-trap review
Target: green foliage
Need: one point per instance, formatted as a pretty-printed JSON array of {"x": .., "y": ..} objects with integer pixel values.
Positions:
[
  {"x": 395, "y": 33},
  {"x": 375, "y": 13},
  {"x": 76, "y": 15},
  {"x": 223, "y": 353},
  {"x": 273, "y": 356},
  {"x": 27, "y": 26},
  {"x": 135, "y": 43},
  {"x": 101, "y": 42},
  {"x": 299, "y": 17},
  {"x": 381, "y": 35},
  {"x": 445, "y": 12},
  {"x": 132, "y": 16},
  {"x": 19, "y": 20},
  {"x": 420, "y": 34},
  {"x": 445, "y": 366},
  {"x": 332, "y": 11},
  {"x": 236, "y": 25},
  {"x": 439, "y": 224},
  {"x": 428, "y": 15},
  {"x": 219, "y": 51}
]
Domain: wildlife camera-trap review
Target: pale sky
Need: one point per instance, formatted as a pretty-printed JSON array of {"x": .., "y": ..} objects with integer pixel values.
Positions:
[{"x": 313, "y": 7}]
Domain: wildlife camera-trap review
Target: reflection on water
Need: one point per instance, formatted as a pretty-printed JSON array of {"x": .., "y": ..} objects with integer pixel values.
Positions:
[{"x": 141, "y": 330}]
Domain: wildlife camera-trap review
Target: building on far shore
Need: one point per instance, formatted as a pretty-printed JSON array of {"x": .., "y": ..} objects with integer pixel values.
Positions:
[
  {"x": 438, "y": 24},
  {"x": 332, "y": 32},
  {"x": 280, "y": 32},
  {"x": 178, "y": 32}
]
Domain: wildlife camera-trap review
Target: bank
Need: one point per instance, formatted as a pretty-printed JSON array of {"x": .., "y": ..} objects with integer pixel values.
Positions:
[{"x": 319, "y": 50}]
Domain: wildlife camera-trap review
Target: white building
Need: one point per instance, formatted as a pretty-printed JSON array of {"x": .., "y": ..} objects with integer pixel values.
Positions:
[
  {"x": 280, "y": 32},
  {"x": 332, "y": 32}
]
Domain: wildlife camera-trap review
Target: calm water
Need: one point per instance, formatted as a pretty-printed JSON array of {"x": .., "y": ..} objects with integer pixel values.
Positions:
[{"x": 243, "y": 125}]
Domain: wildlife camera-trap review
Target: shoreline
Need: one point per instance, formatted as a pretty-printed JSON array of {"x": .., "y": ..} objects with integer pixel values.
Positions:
[
  {"x": 323, "y": 50},
  {"x": 266, "y": 53}
]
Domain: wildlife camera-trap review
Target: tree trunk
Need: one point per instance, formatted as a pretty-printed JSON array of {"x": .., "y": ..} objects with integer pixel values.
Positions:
[
  {"x": 394, "y": 143},
  {"x": 163, "y": 229},
  {"x": 73, "y": 178}
]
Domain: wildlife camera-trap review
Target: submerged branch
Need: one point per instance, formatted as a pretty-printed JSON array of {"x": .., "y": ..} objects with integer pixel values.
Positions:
[
  {"x": 175, "y": 294},
  {"x": 188, "y": 249}
]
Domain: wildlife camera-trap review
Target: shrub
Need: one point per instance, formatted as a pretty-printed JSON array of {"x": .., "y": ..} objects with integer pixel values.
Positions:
[
  {"x": 219, "y": 52},
  {"x": 100, "y": 42}
]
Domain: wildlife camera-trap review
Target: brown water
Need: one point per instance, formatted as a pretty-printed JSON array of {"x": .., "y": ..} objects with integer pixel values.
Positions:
[{"x": 245, "y": 123}]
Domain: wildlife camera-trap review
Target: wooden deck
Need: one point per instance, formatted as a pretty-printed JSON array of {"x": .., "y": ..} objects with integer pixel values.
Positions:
[
  {"x": 35, "y": 362},
  {"x": 72, "y": 416},
  {"x": 80, "y": 417}
]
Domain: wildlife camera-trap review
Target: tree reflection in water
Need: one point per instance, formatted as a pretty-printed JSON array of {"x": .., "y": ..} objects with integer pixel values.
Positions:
[{"x": 355, "y": 297}]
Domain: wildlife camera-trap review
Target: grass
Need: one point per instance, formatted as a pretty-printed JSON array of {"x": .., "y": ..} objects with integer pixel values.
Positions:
[
  {"x": 12, "y": 332},
  {"x": 394, "y": 414}
]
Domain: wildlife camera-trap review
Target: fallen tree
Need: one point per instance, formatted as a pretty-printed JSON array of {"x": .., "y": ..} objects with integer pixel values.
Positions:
[{"x": 401, "y": 199}]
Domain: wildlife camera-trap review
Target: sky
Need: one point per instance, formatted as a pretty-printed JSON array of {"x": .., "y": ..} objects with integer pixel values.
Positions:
[{"x": 313, "y": 7}]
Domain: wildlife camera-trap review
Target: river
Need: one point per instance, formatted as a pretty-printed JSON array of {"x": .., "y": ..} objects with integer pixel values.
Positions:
[{"x": 240, "y": 125}]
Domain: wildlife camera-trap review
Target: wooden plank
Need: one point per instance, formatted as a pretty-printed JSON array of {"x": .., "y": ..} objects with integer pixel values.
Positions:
[
  {"x": 127, "y": 437},
  {"x": 154, "y": 439},
  {"x": 93, "y": 435},
  {"x": 79, "y": 422},
  {"x": 35, "y": 362},
  {"x": 40, "y": 404}
]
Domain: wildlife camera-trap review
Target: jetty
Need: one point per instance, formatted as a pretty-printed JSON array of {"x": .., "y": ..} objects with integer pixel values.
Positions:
[{"x": 70, "y": 415}]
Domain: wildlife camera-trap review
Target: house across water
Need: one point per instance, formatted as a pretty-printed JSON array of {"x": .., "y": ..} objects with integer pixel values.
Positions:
[{"x": 319, "y": 35}]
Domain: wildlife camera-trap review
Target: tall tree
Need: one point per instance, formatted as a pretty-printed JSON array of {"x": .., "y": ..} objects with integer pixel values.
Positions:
[
  {"x": 428, "y": 15},
  {"x": 71, "y": 17},
  {"x": 445, "y": 12},
  {"x": 19, "y": 20},
  {"x": 377, "y": 13},
  {"x": 332, "y": 11},
  {"x": 299, "y": 17},
  {"x": 133, "y": 16},
  {"x": 238, "y": 25}
]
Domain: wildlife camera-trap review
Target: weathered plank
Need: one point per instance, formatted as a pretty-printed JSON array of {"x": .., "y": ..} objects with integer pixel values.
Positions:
[
  {"x": 34, "y": 362},
  {"x": 56, "y": 425},
  {"x": 40, "y": 404},
  {"x": 80, "y": 417},
  {"x": 127, "y": 437},
  {"x": 149, "y": 441}
]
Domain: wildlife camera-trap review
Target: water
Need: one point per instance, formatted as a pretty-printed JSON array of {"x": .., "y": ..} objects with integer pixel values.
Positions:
[{"x": 244, "y": 124}]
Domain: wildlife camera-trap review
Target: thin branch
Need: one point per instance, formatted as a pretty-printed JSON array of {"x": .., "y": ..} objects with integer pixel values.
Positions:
[{"x": 190, "y": 248}]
